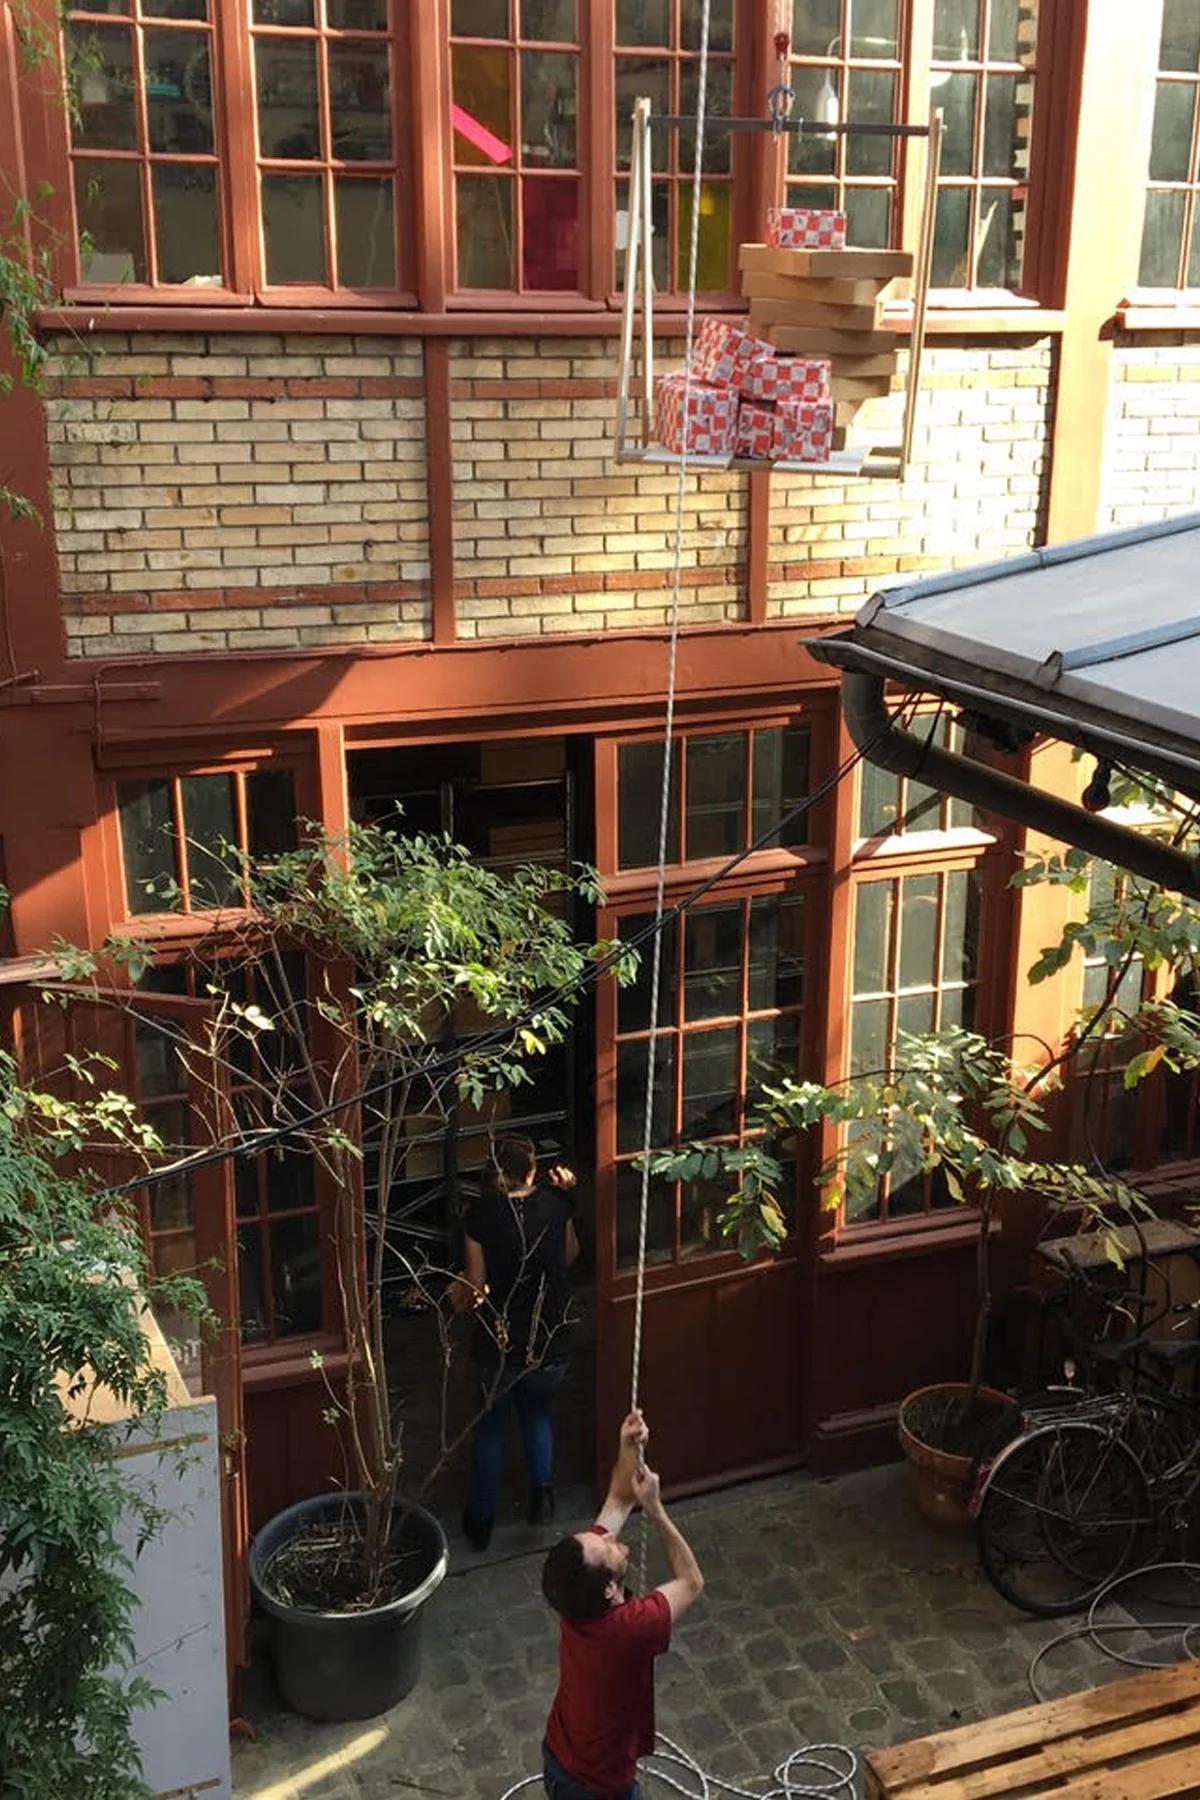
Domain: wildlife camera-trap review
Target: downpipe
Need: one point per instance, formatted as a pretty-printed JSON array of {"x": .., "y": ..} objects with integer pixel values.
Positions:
[{"x": 881, "y": 741}]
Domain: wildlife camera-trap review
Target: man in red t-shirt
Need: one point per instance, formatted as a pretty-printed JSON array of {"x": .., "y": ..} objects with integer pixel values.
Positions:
[{"x": 602, "y": 1719}]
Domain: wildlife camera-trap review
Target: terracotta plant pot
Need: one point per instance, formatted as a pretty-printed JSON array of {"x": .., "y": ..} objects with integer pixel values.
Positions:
[{"x": 942, "y": 1476}]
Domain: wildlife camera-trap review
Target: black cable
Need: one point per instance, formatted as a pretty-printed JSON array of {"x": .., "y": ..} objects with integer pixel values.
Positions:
[{"x": 264, "y": 1140}]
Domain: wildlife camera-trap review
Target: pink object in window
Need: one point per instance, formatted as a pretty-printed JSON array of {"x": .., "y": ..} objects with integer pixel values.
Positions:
[
  {"x": 494, "y": 148},
  {"x": 550, "y": 234}
]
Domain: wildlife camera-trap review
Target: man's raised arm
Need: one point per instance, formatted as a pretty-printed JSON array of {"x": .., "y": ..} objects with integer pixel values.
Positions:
[{"x": 621, "y": 1498}]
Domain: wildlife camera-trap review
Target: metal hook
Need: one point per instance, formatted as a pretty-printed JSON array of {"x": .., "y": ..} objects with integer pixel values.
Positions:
[{"x": 779, "y": 104}]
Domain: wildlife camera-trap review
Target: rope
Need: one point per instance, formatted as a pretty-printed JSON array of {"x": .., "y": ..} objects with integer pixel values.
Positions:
[
  {"x": 664, "y": 807},
  {"x": 1187, "y": 1631},
  {"x": 809, "y": 1757}
]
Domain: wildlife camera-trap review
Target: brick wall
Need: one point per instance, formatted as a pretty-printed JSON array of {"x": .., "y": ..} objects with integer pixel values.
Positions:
[
  {"x": 974, "y": 491},
  {"x": 239, "y": 492},
  {"x": 1152, "y": 454},
  {"x": 551, "y": 534}
]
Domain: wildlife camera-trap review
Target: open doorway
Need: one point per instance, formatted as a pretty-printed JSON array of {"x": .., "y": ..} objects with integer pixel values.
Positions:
[{"x": 509, "y": 802}]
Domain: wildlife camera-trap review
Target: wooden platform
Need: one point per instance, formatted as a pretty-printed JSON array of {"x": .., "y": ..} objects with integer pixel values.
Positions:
[{"x": 1133, "y": 1740}]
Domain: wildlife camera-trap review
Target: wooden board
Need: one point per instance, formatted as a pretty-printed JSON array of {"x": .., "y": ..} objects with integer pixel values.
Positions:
[
  {"x": 836, "y": 265},
  {"x": 863, "y": 368},
  {"x": 767, "y": 316},
  {"x": 846, "y": 387},
  {"x": 1137, "y": 1739},
  {"x": 826, "y": 293},
  {"x": 818, "y": 340}
]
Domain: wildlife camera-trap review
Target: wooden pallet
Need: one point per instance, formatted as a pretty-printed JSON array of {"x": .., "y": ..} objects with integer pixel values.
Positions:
[{"x": 1133, "y": 1740}]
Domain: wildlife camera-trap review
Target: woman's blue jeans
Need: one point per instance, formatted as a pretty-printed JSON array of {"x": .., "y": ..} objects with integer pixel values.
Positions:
[{"x": 531, "y": 1391}]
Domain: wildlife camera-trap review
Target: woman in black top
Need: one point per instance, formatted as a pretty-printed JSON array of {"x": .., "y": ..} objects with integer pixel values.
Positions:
[{"x": 520, "y": 1242}]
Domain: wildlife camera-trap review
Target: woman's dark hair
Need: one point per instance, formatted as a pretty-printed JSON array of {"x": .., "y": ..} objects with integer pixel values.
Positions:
[
  {"x": 574, "y": 1587},
  {"x": 514, "y": 1160}
]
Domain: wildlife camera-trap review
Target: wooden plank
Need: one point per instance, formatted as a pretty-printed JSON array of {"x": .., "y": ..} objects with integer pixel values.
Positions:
[
  {"x": 837, "y": 265},
  {"x": 820, "y": 341},
  {"x": 1169, "y": 1777},
  {"x": 800, "y": 288},
  {"x": 845, "y": 387},
  {"x": 1074, "y": 1757},
  {"x": 967, "y": 1746},
  {"x": 862, "y": 368},
  {"x": 766, "y": 315}
]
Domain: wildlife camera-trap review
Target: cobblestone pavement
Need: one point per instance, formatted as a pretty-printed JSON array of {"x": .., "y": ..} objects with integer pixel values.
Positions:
[{"x": 831, "y": 1612}]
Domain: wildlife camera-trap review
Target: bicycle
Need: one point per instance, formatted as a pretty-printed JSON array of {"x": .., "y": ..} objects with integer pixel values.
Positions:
[{"x": 1089, "y": 1479}]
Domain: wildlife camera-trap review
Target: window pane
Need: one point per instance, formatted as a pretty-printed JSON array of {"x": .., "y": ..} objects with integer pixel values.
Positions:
[
  {"x": 108, "y": 201},
  {"x": 918, "y": 930},
  {"x": 772, "y": 1053},
  {"x": 485, "y": 231},
  {"x": 660, "y": 1218},
  {"x": 1192, "y": 272},
  {"x": 270, "y": 811},
  {"x": 186, "y": 233},
  {"x": 252, "y": 1305},
  {"x": 639, "y": 793},
  {"x": 549, "y": 234},
  {"x": 915, "y": 1013},
  {"x": 178, "y": 91},
  {"x": 780, "y": 781},
  {"x": 1000, "y": 145},
  {"x": 716, "y": 794},
  {"x": 660, "y": 241},
  {"x": 950, "y": 238},
  {"x": 776, "y": 976},
  {"x": 632, "y": 1062},
  {"x": 161, "y": 9},
  {"x": 1170, "y": 146},
  {"x": 868, "y": 218},
  {"x": 700, "y": 1206},
  {"x": 1004, "y": 41},
  {"x": 955, "y": 30},
  {"x": 357, "y": 15},
  {"x": 639, "y": 77},
  {"x": 710, "y": 1082},
  {"x": 960, "y": 931},
  {"x": 245, "y": 1187},
  {"x": 147, "y": 844},
  {"x": 873, "y": 28},
  {"x": 644, "y": 22},
  {"x": 103, "y": 55},
  {"x": 210, "y": 827},
  {"x": 816, "y": 27},
  {"x": 171, "y": 1203},
  {"x": 159, "y": 1070},
  {"x": 1000, "y": 237},
  {"x": 294, "y": 228},
  {"x": 869, "y": 1037},
  {"x": 719, "y": 104},
  {"x": 712, "y": 250},
  {"x": 712, "y": 961},
  {"x": 873, "y": 910},
  {"x": 551, "y": 20},
  {"x": 720, "y": 24},
  {"x": 360, "y": 102},
  {"x": 1180, "y": 44},
  {"x": 366, "y": 231},
  {"x": 871, "y": 98},
  {"x": 1162, "y": 239},
  {"x": 289, "y": 1180},
  {"x": 287, "y": 98},
  {"x": 296, "y": 1275},
  {"x": 283, "y": 12},
  {"x": 878, "y": 801},
  {"x": 480, "y": 18},
  {"x": 958, "y": 96},
  {"x": 633, "y": 1003},
  {"x": 483, "y": 91},
  {"x": 549, "y": 107},
  {"x": 818, "y": 96}
]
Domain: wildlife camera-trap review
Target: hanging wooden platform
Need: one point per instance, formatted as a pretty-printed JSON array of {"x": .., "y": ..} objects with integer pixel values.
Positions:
[{"x": 1132, "y": 1740}]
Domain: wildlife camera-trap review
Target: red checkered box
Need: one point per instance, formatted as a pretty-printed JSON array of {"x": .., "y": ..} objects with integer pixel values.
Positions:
[
  {"x": 756, "y": 431},
  {"x": 774, "y": 378},
  {"x": 803, "y": 431},
  {"x": 805, "y": 228},
  {"x": 724, "y": 354},
  {"x": 711, "y": 416}
]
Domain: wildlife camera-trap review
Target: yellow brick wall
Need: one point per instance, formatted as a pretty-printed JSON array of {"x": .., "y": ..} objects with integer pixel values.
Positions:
[
  {"x": 974, "y": 491},
  {"x": 1152, "y": 453},
  {"x": 238, "y": 492}
]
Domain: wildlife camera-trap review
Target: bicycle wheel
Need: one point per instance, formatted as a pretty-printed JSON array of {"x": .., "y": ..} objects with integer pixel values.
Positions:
[{"x": 1059, "y": 1516}]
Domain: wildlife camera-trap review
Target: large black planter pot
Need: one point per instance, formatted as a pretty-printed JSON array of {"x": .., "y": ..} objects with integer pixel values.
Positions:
[{"x": 332, "y": 1665}]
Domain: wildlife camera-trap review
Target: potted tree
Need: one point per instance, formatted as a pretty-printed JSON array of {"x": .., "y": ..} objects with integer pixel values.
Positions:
[{"x": 367, "y": 984}]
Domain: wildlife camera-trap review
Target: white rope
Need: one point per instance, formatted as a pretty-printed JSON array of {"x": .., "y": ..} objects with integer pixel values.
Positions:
[{"x": 809, "y": 1757}]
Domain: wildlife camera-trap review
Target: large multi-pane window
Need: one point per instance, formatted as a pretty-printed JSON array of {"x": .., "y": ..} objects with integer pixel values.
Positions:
[
  {"x": 183, "y": 838},
  {"x": 847, "y": 62},
  {"x": 517, "y": 153},
  {"x": 657, "y": 57},
  {"x": 727, "y": 789},
  {"x": 1170, "y": 238},
  {"x": 982, "y": 77}
]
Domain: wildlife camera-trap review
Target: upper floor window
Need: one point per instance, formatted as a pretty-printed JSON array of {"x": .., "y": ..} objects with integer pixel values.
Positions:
[
  {"x": 517, "y": 151},
  {"x": 846, "y": 63},
  {"x": 1170, "y": 241},
  {"x": 657, "y": 56},
  {"x": 982, "y": 76},
  {"x": 181, "y": 836},
  {"x": 727, "y": 789}
]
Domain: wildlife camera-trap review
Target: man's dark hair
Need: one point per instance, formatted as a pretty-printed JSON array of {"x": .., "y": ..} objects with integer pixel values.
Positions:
[
  {"x": 574, "y": 1587},
  {"x": 515, "y": 1162}
]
